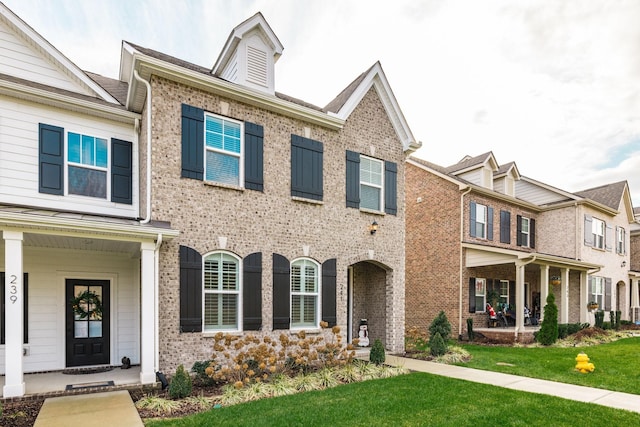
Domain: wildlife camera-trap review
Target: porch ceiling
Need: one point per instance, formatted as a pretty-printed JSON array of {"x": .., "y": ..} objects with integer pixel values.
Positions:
[{"x": 75, "y": 243}]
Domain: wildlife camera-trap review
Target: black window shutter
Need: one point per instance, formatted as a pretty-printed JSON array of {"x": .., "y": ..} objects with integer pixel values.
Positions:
[
  {"x": 121, "y": 171},
  {"x": 25, "y": 308},
  {"x": 472, "y": 295},
  {"x": 390, "y": 188},
  {"x": 608, "y": 237},
  {"x": 505, "y": 227},
  {"x": 192, "y": 142},
  {"x": 607, "y": 294},
  {"x": 306, "y": 168},
  {"x": 519, "y": 230},
  {"x": 532, "y": 233},
  {"x": 329, "y": 291},
  {"x": 489, "y": 223},
  {"x": 190, "y": 290},
  {"x": 252, "y": 292},
  {"x": 472, "y": 219},
  {"x": 281, "y": 293},
  {"x": 253, "y": 156},
  {"x": 588, "y": 232},
  {"x": 51, "y": 159},
  {"x": 353, "y": 179},
  {"x": 512, "y": 296}
]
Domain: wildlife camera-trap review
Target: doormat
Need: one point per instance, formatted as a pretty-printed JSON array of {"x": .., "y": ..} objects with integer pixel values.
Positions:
[
  {"x": 89, "y": 385},
  {"x": 84, "y": 371}
]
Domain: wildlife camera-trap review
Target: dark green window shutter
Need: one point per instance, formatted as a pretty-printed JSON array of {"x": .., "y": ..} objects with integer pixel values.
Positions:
[
  {"x": 519, "y": 230},
  {"x": 390, "y": 188},
  {"x": 51, "y": 159},
  {"x": 253, "y": 156},
  {"x": 192, "y": 142},
  {"x": 25, "y": 308},
  {"x": 472, "y": 295},
  {"x": 252, "y": 292},
  {"x": 281, "y": 292},
  {"x": 329, "y": 291},
  {"x": 607, "y": 294},
  {"x": 532, "y": 233},
  {"x": 353, "y": 179},
  {"x": 489, "y": 223},
  {"x": 588, "y": 231},
  {"x": 306, "y": 168},
  {"x": 505, "y": 227},
  {"x": 472, "y": 219},
  {"x": 190, "y": 290},
  {"x": 121, "y": 171}
]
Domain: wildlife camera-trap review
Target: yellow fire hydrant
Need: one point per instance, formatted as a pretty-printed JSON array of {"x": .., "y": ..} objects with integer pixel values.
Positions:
[{"x": 583, "y": 364}]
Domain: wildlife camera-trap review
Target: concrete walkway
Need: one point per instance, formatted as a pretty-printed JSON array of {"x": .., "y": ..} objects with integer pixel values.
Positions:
[
  {"x": 614, "y": 399},
  {"x": 114, "y": 408}
]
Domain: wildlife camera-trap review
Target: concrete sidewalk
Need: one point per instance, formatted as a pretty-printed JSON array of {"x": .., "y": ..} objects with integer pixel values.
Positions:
[
  {"x": 614, "y": 399},
  {"x": 114, "y": 408}
]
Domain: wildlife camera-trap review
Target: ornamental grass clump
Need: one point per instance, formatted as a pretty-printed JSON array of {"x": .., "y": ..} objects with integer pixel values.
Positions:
[{"x": 181, "y": 385}]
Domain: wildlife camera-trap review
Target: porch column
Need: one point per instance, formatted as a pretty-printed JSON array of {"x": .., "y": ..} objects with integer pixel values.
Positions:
[
  {"x": 584, "y": 296},
  {"x": 564, "y": 295},
  {"x": 635, "y": 303},
  {"x": 147, "y": 314},
  {"x": 544, "y": 288},
  {"x": 520, "y": 267},
  {"x": 14, "y": 316}
]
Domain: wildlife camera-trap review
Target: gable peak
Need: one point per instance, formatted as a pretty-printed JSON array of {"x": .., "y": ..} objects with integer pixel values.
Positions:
[{"x": 249, "y": 55}]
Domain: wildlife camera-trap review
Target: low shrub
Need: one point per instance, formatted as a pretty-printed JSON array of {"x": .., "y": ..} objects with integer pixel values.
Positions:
[
  {"x": 181, "y": 385},
  {"x": 377, "y": 355},
  {"x": 437, "y": 345},
  {"x": 566, "y": 329},
  {"x": 470, "y": 333},
  {"x": 599, "y": 319},
  {"x": 200, "y": 370}
]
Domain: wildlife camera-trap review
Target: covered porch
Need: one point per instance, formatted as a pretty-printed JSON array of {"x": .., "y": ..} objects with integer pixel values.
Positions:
[
  {"x": 524, "y": 279},
  {"x": 78, "y": 291}
]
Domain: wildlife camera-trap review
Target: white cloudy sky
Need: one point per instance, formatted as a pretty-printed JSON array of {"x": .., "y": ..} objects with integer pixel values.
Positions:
[{"x": 552, "y": 85}]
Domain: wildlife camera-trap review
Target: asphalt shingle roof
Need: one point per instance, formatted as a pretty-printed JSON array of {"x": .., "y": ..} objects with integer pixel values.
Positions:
[{"x": 608, "y": 195}]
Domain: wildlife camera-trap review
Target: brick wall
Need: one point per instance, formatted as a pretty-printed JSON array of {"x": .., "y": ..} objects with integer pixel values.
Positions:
[{"x": 244, "y": 221}]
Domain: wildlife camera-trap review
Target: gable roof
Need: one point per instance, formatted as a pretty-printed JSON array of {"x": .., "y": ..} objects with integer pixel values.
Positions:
[
  {"x": 507, "y": 168},
  {"x": 609, "y": 194},
  {"x": 468, "y": 163},
  {"x": 49, "y": 53},
  {"x": 343, "y": 105}
]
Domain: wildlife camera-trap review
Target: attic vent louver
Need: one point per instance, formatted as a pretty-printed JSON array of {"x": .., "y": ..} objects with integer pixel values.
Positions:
[{"x": 256, "y": 66}]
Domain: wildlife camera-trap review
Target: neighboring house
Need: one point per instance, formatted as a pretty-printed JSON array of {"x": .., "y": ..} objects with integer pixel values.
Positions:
[
  {"x": 634, "y": 250},
  {"x": 142, "y": 216},
  {"x": 274, "y": 198},
  {"x": 477, "y": 227},
  {"x": 69, "y": 214}
]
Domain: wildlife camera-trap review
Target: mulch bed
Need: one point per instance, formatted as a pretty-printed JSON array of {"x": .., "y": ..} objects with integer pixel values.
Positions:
[{"x": 21, "y": 413}]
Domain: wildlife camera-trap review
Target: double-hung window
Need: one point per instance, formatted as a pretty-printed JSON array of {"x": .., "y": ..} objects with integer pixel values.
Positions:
[
  {"x": 598, "y": 230},
  {"x": 504, "y": 293},
  {"x": 620, "y": 240},
  {"x": 371, "y": 183},
  {"x": 524, "y": 230},
  {"x": 221, "y": 292},
  {"x": 481, "y": 293},
  {"x": 223, "y": 145},
  {"x": 87, "y": 160},
  {"x": 304, "y": 293},
  {"x": 481, "y": 221},
  {"x": 598, "y": 290}
]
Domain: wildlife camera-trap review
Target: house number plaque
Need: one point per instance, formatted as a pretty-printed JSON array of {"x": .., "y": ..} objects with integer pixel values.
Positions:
[{"x": 13, "y": 288}]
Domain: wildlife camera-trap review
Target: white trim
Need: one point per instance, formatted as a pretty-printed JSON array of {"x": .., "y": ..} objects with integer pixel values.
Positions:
[
  {"x": 222, "y": 151},
  {"x": 318, "y": 295},
  {"x": 238, "y": 292}
]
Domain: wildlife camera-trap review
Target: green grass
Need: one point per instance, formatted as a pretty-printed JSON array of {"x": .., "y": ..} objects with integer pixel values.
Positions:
[
  {"x": 416, "y": 399},
  {"x": 617, "y": 363}
]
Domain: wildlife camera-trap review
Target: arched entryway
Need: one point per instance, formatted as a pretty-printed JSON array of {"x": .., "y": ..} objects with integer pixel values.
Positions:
[{"x": 368, "y": 282}]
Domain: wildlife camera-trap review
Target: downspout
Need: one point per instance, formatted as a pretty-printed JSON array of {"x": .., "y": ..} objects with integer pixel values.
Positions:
[
  {"x": 461, "y": 260},
  {"x": 521, "y": 265},
  {"x": 156, "y": 285},
  {"x": 147, "y": 216}
]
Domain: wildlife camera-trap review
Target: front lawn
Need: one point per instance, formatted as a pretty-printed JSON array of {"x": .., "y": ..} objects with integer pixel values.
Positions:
[
  {"x": 616, "y": 363},
  {"x": 416, "y": 399}
]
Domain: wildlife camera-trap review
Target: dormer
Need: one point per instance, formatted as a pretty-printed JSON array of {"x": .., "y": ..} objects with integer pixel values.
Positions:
[
  {"x": 249, "y": 55},
  {"x": 477, "y": 170},
  {"x": 504, "y": 180}
]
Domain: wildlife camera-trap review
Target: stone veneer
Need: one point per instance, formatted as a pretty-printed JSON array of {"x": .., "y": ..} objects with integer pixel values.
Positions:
[{"x": 240, "y": 221}]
